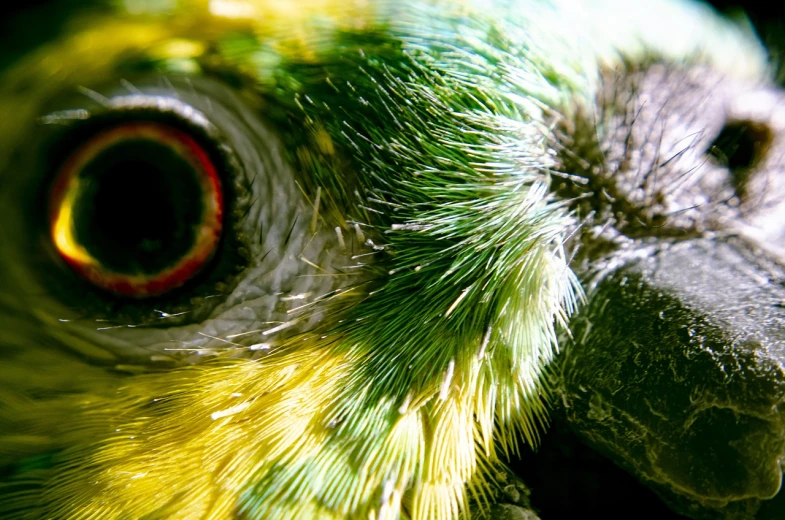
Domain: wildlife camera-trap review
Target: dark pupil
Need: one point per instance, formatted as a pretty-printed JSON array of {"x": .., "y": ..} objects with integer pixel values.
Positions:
[{"x": 140, "y": 208}]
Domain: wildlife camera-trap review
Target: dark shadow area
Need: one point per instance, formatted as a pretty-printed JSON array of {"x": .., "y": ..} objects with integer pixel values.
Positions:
[{"x": 570, "y": 480}]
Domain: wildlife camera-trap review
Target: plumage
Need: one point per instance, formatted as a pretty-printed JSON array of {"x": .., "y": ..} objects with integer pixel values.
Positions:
[{"x": 398, "y": 276}]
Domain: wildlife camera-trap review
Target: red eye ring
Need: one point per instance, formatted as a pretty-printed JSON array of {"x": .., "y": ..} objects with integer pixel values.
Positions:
[{"x": 92, "y": 192}]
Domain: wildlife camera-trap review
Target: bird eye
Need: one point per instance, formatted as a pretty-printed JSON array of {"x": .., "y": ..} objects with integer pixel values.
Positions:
[
  {"x": 152, "y": 207},
  {"x": 139, "y": 203},
  {"x": 159, "y": 216},
  {"x": 137, "y": 209}
]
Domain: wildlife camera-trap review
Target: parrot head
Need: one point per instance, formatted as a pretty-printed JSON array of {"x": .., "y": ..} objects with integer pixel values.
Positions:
[{"x": 272, "y": 260}]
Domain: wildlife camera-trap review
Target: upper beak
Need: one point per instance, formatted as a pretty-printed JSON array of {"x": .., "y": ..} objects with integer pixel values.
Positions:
[{"x": 675, "y": 370}]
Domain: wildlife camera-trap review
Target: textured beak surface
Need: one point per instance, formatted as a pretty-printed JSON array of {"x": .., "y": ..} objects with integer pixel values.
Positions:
[{"x": 677, "y": 362}]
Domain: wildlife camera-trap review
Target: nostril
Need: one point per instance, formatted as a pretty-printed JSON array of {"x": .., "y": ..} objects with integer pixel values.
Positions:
[{"x": 740, "y": 146}]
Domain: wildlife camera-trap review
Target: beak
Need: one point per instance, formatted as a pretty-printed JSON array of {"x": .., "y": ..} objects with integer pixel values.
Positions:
[{"x": 675, "y": 371}]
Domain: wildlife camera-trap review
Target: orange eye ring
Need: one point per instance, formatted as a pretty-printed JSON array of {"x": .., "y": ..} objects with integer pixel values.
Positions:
[{"x": 137, "y": 210}]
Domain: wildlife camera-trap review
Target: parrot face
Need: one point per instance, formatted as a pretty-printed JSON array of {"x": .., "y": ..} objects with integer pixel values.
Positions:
[{"x": 267, "y": 260}]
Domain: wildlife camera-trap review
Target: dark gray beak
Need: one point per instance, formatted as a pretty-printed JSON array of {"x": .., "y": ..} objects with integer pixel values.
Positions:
[{"x": 675, "y": 371}]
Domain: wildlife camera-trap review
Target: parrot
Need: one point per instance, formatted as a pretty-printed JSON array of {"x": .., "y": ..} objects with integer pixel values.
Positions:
[{"x": 319, "y": 259}]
